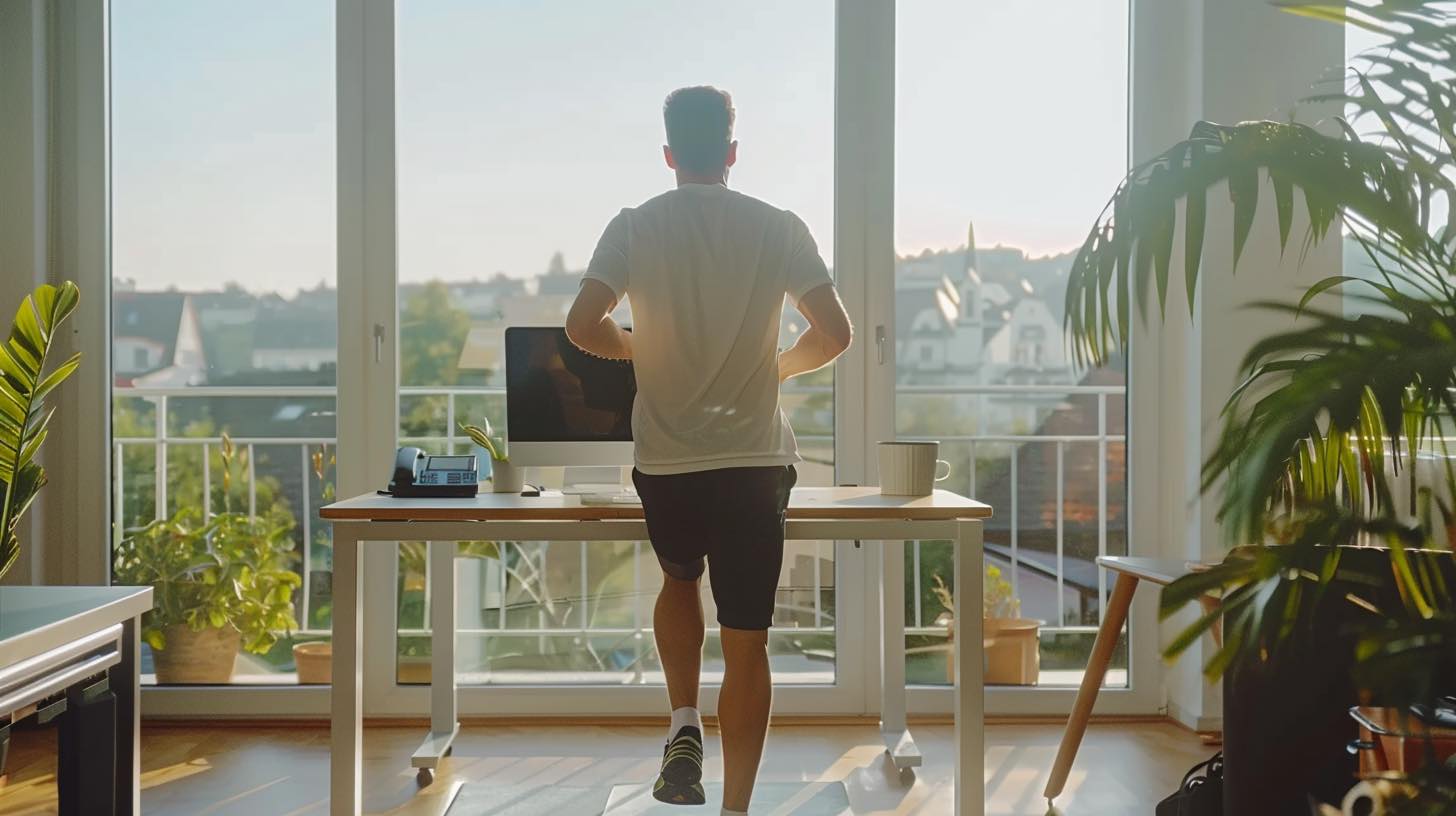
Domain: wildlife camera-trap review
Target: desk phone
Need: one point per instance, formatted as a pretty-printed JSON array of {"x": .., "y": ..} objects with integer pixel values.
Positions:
[{"x": 419, "y": 475}]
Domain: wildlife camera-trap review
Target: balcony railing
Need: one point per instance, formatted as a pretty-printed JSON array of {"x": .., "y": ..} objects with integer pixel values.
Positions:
[{"x": 163, "y": 440}]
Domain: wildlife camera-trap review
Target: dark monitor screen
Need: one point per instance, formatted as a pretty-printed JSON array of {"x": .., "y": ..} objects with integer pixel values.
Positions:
[{"x": 555, "y": 392}]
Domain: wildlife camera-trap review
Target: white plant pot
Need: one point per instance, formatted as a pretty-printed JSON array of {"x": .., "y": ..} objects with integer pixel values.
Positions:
[{"x": 506, "y": 477}]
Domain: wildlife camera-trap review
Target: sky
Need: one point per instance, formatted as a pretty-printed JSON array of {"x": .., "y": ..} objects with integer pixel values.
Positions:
[{"x": 523, "y": 127}]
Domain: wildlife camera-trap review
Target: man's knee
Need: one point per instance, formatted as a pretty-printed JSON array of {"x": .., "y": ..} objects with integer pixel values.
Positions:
[{"x": 743, "y": 644}]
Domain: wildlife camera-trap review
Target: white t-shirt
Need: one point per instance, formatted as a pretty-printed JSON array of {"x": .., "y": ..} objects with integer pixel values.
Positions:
[{"x": 706, "y": 270}]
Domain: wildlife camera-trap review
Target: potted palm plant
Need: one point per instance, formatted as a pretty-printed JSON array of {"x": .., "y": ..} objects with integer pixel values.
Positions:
[
  {"x": 1320, "y": 437},
  {"x": 24, "y": 415}
]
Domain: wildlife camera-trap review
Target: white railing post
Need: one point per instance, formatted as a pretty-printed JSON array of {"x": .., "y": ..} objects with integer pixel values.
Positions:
[
  {"x": 159, "y": 467},
  {"x": 1015, "y": 541},
  {"x": 450, "y": 422},
  {"x": 206, "y": 482},
  {"x": 819, "y": 585},
  {"x": 307, "y": 537},
  {"x": 118, "y": 509},
  {"x": 252, "y": 482},
  {"x": 1102, "y": 502},
  {"x": 1061, "y": 566}
]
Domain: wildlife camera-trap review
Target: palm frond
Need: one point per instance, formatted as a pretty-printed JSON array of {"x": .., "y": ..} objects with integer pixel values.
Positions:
[
  {"x": 1341, "y": 177},
  {"x": 1326, "y": 404}
]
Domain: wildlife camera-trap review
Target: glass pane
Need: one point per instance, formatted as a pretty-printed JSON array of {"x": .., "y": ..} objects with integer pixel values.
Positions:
[
  {"x": 523, "y": 128},
  {"x": 223, "y": 330},
  {"x": 984, "y": 105}
]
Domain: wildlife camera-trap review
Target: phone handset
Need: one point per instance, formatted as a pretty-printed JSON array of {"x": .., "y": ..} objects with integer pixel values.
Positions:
[{"x": 407, "y": 462}]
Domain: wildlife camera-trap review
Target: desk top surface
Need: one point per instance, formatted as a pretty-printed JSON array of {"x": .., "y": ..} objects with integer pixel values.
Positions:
[
  {"x": 818, "y": 503},
  {"x": 35, "y": 619}
]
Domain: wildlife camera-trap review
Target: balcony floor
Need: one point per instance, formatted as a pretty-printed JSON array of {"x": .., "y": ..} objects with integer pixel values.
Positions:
[{"x": 1122, "y": 768}]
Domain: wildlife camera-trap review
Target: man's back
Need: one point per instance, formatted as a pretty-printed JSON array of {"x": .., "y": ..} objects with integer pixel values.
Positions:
[{"x": 706, "y": 270}]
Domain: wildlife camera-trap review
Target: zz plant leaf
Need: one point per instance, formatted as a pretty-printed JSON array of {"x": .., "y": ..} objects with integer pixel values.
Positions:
[{"x": 26, "y": 379}]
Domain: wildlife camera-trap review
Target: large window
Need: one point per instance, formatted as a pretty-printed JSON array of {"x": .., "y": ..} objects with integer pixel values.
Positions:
[
  {"x": 1010, "y": 134},
  {"x": 223, "y": 327},
  {"x": 522, "y": 129}
]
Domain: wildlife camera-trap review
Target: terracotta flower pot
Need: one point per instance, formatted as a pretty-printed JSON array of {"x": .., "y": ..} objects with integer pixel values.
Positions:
[
  {"x": 314, "y": 662},
  {"x": 204, "y": 657},
  {"x": 1013, "y": 651}
]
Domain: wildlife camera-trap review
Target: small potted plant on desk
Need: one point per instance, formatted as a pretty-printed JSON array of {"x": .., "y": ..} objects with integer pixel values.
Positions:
[
  {"x": 1012, "y": 643},
  {"x": 217, "y": 584},
  {"x": 504, "y": 476}
]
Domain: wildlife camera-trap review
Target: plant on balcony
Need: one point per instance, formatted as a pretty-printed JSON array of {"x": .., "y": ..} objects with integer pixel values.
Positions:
[
  {"x": 1326, "y": 442},
  {"x": 1013, "y": 645},
  {"x": 218, "y": 585},
  {"x": 24, "y": 416}
]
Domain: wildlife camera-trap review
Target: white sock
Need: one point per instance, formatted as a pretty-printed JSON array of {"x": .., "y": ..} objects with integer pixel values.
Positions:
[
  {"x": 686, "y": 715},
  {"x": 727, "y": 812}
]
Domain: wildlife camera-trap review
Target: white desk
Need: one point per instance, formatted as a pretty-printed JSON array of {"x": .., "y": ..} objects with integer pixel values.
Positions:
[
  {"x": 839, "y": 513},
  {"x": 53, "y": 637}
]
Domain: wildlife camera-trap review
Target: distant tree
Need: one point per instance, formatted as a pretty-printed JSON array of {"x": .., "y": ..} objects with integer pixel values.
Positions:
[
  {"x": 557, "y": 266},
  {"x": 432, "y": 332}
]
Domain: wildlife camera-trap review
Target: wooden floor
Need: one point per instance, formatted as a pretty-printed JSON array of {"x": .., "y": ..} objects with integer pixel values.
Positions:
[{"x": 279, "y": 771}]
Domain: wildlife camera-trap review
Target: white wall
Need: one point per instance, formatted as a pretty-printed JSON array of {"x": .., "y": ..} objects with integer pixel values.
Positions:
[
  {"x": 54, "y": 138},
  {"x": 1225, "y": 61},
  {"x": 23, "y": 179}
]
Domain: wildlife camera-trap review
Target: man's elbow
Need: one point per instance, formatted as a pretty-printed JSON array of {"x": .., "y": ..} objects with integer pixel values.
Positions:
[
  {"x": 836, "y": 341},
  {"x": 578, "y": 331}
]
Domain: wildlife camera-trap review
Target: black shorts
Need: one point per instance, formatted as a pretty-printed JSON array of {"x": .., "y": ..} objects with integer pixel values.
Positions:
[{"x": 733, "y": 519}]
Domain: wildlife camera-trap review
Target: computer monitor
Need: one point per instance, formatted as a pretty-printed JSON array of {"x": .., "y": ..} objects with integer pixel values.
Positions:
[{"x": 565, "y": 407}]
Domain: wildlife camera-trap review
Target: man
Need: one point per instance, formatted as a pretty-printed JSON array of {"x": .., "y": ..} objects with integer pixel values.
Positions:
[{"x": 707, "y": 270}]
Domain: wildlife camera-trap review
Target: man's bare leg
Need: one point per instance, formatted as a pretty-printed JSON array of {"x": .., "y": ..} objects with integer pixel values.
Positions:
[
  {"x": 677, "y": 623},
  {"x": 743, "y": 711}
]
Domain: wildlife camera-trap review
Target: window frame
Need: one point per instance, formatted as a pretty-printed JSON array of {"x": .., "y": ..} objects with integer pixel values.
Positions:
[{"x": 864, "y": 391}]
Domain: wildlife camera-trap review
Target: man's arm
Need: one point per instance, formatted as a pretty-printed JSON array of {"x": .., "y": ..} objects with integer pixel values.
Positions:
[
  {"x": 828, "y": 335},
  {"x": 590, "y": 326}
]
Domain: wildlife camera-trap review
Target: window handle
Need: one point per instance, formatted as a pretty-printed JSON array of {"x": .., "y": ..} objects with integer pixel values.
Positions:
[
  {"x": 378, "y": 342},
  {"x": 880, "y": 343}
]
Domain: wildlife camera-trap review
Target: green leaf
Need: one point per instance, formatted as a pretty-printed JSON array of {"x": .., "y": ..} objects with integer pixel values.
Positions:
[
  {"x": 1244, "y": 192},
  {"x": 56, "y": 377},
  {"x": 24, "y": 414},
  {"x": 1284, "y": 204},
  {"x": 1328, "y": 283},
  {"x": 1195, "y": 222}
]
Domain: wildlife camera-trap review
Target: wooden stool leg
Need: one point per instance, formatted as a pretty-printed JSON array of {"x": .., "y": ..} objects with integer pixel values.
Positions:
[
  {"x": 1102, "y": 649},
  {"x": 1208, "y": 604}
]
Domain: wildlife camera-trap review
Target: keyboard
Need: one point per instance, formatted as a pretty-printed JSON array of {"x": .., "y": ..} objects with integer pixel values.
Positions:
[{"x": 618, "y": 498}]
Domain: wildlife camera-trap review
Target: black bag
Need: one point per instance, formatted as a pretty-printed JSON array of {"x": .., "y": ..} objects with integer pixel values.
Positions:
[{"x": 1201, "y": 792}]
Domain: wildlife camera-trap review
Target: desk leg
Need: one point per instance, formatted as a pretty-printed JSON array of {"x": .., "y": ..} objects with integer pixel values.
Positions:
[
  {"x": 970, "y": 689},
  {"x": 443, "y": 723},
  {"x": 346, "y": 730},
  {"x": 126, "y": 685},
  {"x": 898, "y": 742},
  {"x": 1102, "y": 649}
]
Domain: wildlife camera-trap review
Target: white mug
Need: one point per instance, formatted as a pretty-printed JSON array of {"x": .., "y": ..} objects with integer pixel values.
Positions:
[{"x": 910, "y": 468}]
